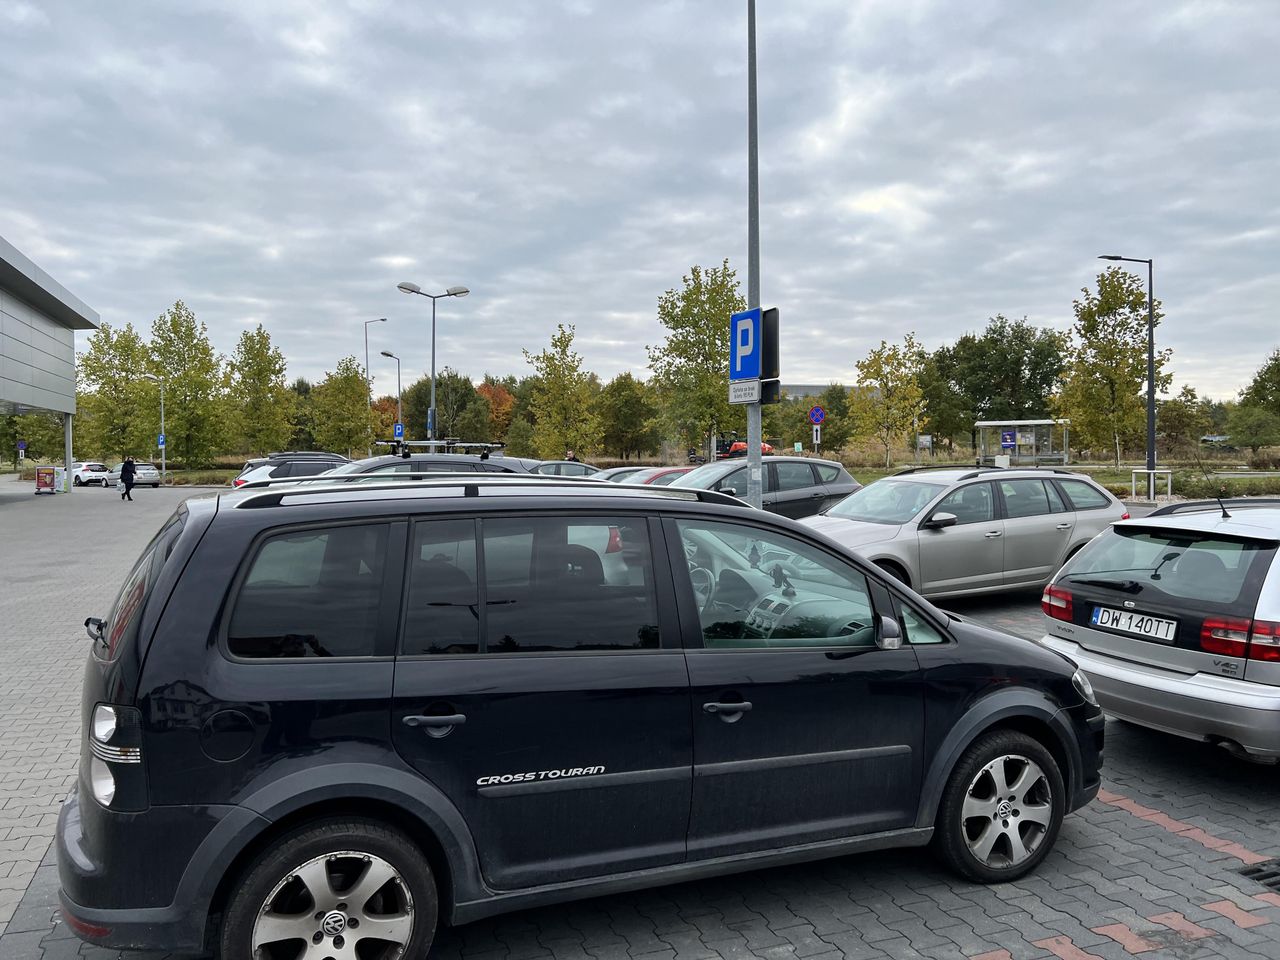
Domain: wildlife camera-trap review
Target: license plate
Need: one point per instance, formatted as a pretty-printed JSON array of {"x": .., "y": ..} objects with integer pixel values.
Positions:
[{"x": 1138, "y": 624}]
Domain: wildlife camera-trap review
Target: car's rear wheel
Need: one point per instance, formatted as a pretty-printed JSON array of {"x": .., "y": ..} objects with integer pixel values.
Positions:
[
  {"x": 349, "y": 888},
  {"x": 1002, "y": 808},
  {"x": 894, "y": 570},
  {"x": 77, "y": 482}
]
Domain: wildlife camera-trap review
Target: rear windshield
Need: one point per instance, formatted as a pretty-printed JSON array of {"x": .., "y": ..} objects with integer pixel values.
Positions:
[
  {"x": 887, "y": 501},
  {"x": 122, "y": 625},
  {"x": 1210, "y": 569}
]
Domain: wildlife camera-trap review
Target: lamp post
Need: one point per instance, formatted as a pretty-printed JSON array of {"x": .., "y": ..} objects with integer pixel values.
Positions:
[
  {"x": 368, "y": 384},
  {"x": 388, "y": 353},
  {"x": 164, "y": 471},
  {"x": 407, "y": 287},
  {"x": 1151, "y": 369}
]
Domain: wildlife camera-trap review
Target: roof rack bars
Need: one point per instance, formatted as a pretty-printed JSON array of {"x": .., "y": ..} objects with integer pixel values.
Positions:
[{"x": 1194, "y": 506}]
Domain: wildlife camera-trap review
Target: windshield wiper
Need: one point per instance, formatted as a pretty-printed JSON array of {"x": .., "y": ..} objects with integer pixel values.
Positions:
[{"x": 1126, "y": 586}]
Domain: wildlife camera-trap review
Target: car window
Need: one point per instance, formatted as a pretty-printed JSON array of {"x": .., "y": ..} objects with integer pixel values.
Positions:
[
  {"x": 311, "y": 593},
  {"x": 1084, "y": 496},
  {"x": 1178, "y": 564},
  {"x": 793, "y": 476},
  {"x": 308, "y": 468},
  {"x": 917, "y": 629},
  {"x": 762, "y": 589},
  {"x": 573, "y": 470},
  {"x": 887, "y": 501},
  {"x": 666, "y": 479},
  {"x": 827, "y": 473},
  {"x": 442, "y": 612},
  {"x": 565, "y": 584},
  {"x": 1024, "y": 498},
  {"x": 122, "y": 623},
  {"x": 970, "y": 504},
  {"x": 1056, "y": 503}
]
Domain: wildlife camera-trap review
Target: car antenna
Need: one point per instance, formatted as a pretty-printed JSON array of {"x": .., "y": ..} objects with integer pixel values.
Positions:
[{"x": 1225, "y": 515}]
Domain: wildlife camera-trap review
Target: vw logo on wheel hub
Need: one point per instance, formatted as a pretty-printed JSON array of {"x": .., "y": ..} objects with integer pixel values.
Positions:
[
  {"x": 334, "y": 923},
  {"x": 1002, "y": 811}
]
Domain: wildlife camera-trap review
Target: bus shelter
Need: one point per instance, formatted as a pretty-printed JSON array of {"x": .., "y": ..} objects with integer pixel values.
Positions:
[{"x": 1023, "y": 442}]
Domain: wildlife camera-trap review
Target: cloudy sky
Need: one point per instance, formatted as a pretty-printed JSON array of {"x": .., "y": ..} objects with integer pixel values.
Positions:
[{"x": 924, "y": 165}]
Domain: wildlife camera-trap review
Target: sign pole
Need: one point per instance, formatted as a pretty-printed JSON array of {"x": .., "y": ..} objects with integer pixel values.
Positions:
[{"x": 754, "y": 431}]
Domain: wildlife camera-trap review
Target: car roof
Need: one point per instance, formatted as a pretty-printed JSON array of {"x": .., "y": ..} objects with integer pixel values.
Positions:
[
  {"x": 956, "y": 474},
  {"x": 1254, "y": 523}
]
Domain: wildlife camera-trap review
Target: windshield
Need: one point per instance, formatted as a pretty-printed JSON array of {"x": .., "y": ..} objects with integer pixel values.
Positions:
[
  {"x": 706, "y": 476},
  {"x": 887, "y": 501}
]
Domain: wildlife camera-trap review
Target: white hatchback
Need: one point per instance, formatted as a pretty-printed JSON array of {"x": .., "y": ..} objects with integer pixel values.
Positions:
[
  {"x": 88, "y": 472},
  {"x": 146, "y": 475}
]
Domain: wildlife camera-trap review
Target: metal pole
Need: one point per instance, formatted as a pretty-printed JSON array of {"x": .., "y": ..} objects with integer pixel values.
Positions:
[
  {"x": 430, "y": 414},
  {"x": 754, "y": 430},
  {"x": 1151, "y": 382},
  {"x": 399, "y": 408},
  {"x": 164, "y": 466}
]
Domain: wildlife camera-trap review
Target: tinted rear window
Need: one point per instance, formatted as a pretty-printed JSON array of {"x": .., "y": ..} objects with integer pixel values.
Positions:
[
  {"x": 126, "y": 613},
  {"x": 1084, "y": 496}
]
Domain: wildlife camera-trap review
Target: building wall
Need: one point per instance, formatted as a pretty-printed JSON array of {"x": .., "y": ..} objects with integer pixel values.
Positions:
[{"x": 37, "y": 358}]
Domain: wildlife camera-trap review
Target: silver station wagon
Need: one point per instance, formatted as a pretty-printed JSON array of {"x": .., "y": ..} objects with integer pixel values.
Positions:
[
  {"x": 956, "y": 531},
  {"x": 1175, "y": 618}
]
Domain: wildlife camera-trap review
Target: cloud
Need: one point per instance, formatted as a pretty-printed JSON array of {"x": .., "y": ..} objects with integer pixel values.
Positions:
[{"x": 924, "y": 165}]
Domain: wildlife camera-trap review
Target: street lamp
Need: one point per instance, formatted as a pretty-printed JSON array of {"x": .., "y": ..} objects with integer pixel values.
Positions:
[
  {"x": 388, "y": 353},
  {"x": 1151, "y": 369},
  {"x": 407, "y": 287},
  {"x": 164, "y": 471},
  {"x": 368, "y": 384}
]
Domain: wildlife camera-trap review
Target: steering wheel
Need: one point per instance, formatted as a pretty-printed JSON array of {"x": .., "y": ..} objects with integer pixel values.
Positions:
[{"x": 704, "y": 585}]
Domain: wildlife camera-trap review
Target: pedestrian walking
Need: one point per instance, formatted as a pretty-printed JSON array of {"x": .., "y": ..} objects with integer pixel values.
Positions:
[
  {"x": 127, "y": 472},
  {"x": 571, "y": 456}
]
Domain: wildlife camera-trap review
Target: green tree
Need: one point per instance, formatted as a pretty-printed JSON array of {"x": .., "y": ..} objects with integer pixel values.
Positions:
[
  {"x": 520, "y": 439},
  {"x": 628, "y": 417},
  {"x": 1263, "y": 390},
  {"x": 1102, "y": 390},
  {"x": 888, "y": 402},
  {"x": 116, "y": 412},
  {"x": 564, "y": 418},
  {"x": 1253, "y": 427},
  {"x": 340, "y": 407},
  {"x": 461, "y": 412},
  {"x": 691, "y": 366},
  {"x": 42, "y": 432},
  {"x": 195, "y": 386},
  {"x": 262, "y": 403},
  {"x": 303, "y": 438},
  {"x": 1181, "y": 421}
]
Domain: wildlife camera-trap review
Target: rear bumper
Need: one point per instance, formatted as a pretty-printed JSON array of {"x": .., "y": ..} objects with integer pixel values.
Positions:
[{"x": 1198, "y": 706}]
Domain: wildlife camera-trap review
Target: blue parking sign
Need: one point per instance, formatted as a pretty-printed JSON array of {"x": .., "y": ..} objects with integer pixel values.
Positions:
[
  {"x": 745, "y": 345},
  {"x": 160, "y": 441},
  {"x": 399, "y": 431}
]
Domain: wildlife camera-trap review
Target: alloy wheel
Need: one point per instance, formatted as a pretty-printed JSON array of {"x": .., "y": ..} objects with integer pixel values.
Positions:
[{"x": 1007, "y": 811}]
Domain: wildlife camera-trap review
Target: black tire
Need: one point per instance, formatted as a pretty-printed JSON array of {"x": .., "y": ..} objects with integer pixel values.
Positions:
[
  {"x": 895, "y": 571},
  {"x": 271, "y": 875},
  {"x": 1003, "y": 753},
  {"x": 76, "y": 482},
  {"x": 155, "y": 486}
]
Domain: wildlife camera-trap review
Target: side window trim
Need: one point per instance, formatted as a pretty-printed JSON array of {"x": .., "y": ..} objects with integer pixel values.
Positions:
[{"x": 948, "y": 640}]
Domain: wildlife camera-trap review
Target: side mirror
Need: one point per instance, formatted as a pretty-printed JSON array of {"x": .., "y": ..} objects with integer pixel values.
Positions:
[
  {"x": 93, "y": 627},
  {"x": 888, "y": 633},
  {"x": 731, "y": 491},
  {"x": 940, "y": 520}
]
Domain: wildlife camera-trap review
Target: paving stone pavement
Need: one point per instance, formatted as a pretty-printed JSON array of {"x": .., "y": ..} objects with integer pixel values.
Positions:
[{"x": 1148, "y": 870}]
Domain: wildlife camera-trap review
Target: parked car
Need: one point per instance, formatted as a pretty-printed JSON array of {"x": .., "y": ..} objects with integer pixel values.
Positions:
[
  {"x": 565, "y": 468},
  {"x": 1175, "y": 618},
  {"x": 958, "y": 531},
  {"x": 314, "y": 719},
  {"x": 792, "y": 486},
  {"x": 291, "y": 463},
  {"x": 88, "y": 472},
  {"x": 617, "y": 474},
  {"x": 739, "y": 449},
  {"x": 657, "y": 476},
  {"x": 432, "y": 463},
  {"x": 145, "y": 475}
]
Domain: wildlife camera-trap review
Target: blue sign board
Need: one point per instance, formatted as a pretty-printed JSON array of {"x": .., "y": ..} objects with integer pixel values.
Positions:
[
  {"x": 22, "y": 444},
  {"x": 431, "y": 421},
  {"x": 745, "y": 345},
  {"x": 1008, "y": 439},
  {"x": 160, "y": 441},
  {"x": 398, "y": 433},
  {"x": 817, "y": 415}
]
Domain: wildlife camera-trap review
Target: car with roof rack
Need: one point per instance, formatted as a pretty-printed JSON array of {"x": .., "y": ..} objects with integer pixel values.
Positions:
[
  {"x": 957, "y": 531},
  {"x": 331, "y": 716},
  {"x": 1175, "y": 617}
]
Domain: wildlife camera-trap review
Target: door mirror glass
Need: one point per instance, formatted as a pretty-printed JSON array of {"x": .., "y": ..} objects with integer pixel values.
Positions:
[
  {"x": 940, "y": 520},
  {"x": 888, "y": 633}
]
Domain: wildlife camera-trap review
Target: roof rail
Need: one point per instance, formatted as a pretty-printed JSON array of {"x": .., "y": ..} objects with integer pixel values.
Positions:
[
  {"x": 402, "y": 447},
  {"x": 402, "y": 477},
  {"x": 1194, "y": 506},
  {"x": 471, "y": 485}
]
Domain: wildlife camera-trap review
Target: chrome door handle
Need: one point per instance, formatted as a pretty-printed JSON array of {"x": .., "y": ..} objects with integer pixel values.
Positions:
[
  {"x": 992, "y": 534},
  {"x": 1063, "y": 526},
  {"x": 437, "y": 726}
]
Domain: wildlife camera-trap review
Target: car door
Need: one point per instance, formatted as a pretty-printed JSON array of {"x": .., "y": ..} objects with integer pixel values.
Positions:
[
  {"x": 969, "y": 554},
  {"x": 543, "y": 691},
  {"x": 1037, "y": 530},
  {"x": 804, "y": 730},
  {"x": 795, "y": 489}
]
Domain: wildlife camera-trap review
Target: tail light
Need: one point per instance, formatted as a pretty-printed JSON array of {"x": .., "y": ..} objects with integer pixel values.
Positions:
[
  {"x": 1265, "y": 641},
  {"x": 615, "y": 541},
  {"x": 115, "y": 776},
  {"x": 1226, "y": 636},
  {"x": 1056, "y": 602},
  {"x": 1125, "y": 515},
  {"x": 237, "y": 482}
]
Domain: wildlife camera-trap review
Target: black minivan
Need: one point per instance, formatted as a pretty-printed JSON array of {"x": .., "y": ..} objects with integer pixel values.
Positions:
[{"x": 337, "y": 716}]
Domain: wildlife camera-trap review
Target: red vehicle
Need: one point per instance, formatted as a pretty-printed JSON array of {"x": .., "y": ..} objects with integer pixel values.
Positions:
[
  {"x": 739, "y": 449},
  {"x": 657, "y": 476}
]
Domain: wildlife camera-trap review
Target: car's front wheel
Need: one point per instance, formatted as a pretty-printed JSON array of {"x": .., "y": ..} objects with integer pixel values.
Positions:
[
  {"x": 344, "y": 888},
  {"x": 1002, "y": 808}
]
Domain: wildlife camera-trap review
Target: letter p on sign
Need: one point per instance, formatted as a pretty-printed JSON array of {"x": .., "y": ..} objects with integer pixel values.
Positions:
[{"x": 744, "y": 345}]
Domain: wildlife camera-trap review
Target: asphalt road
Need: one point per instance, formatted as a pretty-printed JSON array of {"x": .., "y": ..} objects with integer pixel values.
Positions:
[{"x": 1150, "y": 869}]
